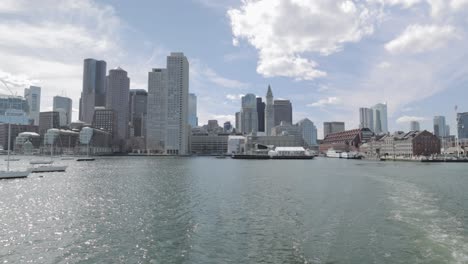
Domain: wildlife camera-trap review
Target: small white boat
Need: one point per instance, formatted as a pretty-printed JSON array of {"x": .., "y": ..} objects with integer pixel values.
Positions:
[
  {"x": 35, "y": 162},
  {"x": 46, "y": 168},
  {"x": 12, "y": 159},
  {"x": 331, "y": 153},
  {"x": 13, "y": 174}
]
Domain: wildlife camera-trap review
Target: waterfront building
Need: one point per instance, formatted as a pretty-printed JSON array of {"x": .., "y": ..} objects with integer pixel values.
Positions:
[
  {"x": 16, "y": 129},
  {"x": 413, "y": 143},
  {"x": 27, "y": 143},
  {"x": 236, "y": 144},
  {"x": 95, "y": 141},
  {"x": 192, "y": 106},
  {"x": 137, "y": 112},
  {"x": 94, "y": 88},
  {"x": 118, "y": 90},
  {"x": 167, "y": 124},
  {"x": 380, "y": 119},
  {"x": 346, "y": 141},
  {"x": 366, "y": 118},
  {"x": 33, "y": 96},
  {"x": 105, "y": 120},
  {"x": 48, "y": 120},
  {"x": 248, "y": 114},
  {"x": 332, "y": 127},
  {"x": 308, "y": 131},
  {"x": 63, "y": 105},
  {"x": 62, "y": 141},
  {"x": 283, "y": 111},
  {"x": 209, "y": 144},
  {"x": 462, "y": 125},
  {"x": 440, "y": 126},
  {"x": 287, "y": 129},
  {"x": 253, "y": 141},
  {"x": 269, "y": 112},
  {"x": 14, "y": 110},
  {"x": 414, "y": 126},
  {"x": 261, "y": 114}
]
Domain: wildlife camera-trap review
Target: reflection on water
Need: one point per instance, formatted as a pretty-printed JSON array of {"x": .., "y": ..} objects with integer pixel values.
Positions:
[{"x": 207, "y": 210}]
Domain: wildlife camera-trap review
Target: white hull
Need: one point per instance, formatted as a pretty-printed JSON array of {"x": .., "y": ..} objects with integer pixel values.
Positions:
[
  {"x": 41, "y": 162},
  {"x": 49, "y": 169},
  {"x": 333, "y": 154},
  {"x": 13, "y": 174}
]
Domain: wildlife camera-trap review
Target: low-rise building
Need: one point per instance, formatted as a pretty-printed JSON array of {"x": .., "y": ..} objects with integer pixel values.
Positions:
[
  {"x": 15, "y": 131},
  {"x": 27, "y": 143},
  {"x": 208, "y": 144},
  {"x": 62, "y": 141},
  {"x": 410, "y": 144},
  {"x": 346, "y": 141},
  {"x": 95, "y": 141}
]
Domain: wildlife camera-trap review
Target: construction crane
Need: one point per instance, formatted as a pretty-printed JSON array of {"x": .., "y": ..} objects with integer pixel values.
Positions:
[{"x": 8, "y": 87}]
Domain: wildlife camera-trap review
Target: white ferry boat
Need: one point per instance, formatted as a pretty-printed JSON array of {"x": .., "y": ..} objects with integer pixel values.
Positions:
[{"x": 331, "y": 153}]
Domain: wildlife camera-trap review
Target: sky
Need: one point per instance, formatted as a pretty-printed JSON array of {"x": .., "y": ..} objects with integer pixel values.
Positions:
[{"x": 329, "y": 57}]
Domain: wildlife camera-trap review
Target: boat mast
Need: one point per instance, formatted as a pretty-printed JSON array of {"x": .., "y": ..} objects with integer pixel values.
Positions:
[{"x": 9, "y": 142}]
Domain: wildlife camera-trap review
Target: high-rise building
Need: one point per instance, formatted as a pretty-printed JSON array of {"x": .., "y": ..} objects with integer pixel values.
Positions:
[
  {"x": 48, "y": 120},
  {"x": 261, "y": 114},
  {"x": 414, "y": 126},
  {"x": 283, "y": 111},
  {"x": 33, "y": 97},
  {"x": 167, "y": 114},
  {"x": 269, "y": 112},
  {"x": 118, "y": 90},
  {"x": 380, "y": 118},
  {"x": 447, "y": 131},
  {"x": 238, "y": 118},
  {"x": 192, "y": 105},
  {"x": 309, "y": 131},
  {"x": 137, "y": 111},
  {"x": 94, "y": 88},
  {"x": 63, "y": 105},
  {"x": 248, "y": 114},
  {"x": 332, "y": 127},
  {"x": 439, "y": 126},
  {"x": 366, "y": 118},
  {"x": 14, "y": 110},
  {"x": 106, "y": 120},
  {"x": 462, "y": 125},
  {"x": 227, "y": 127}
]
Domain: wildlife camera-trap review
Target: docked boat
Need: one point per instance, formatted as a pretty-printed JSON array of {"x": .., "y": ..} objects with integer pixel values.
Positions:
[
  {"x": 290, "y": 153},
  {"x": 47, "y": 168},
  {"x": 85, "y": 159},
  {"x": 12, "y": 159},
  {"x": 331, "y": 153},
  {"x": 36, "y": 162},
  {"x": 12, "y": 174}
]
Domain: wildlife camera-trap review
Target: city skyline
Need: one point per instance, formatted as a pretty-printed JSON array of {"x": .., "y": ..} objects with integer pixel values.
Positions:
[{"x": 421, "y": 87}]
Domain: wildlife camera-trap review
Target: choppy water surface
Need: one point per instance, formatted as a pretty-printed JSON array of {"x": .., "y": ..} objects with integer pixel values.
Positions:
[{"x": 207, "y": 210}]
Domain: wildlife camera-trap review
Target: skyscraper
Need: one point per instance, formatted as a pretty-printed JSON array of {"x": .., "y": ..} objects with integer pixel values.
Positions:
[
  {"x": 269, "y": 112},
  {"x": 248, "y": 114},
  {"x": 332, "y": 127},
  {"x": 118, "y": 89},
  {"x": 261, "y": 114},
  {"x": 63, "y": 105},
  {"x": 462, "y": 125},
  {"x": 238, "y": 121},
  {"x": 48, "y": 120},
  {"x": 414, "y": 126},
  {"x": 380, "y": 118},
  {"x": 167, "y": 121},
  {"x": 192, "y": 105},
  {"x": 447, "y": 131},
  {"x": 283, "y": 111},
  {"x": 94, "y": 88},
  {"x": 33, "y": 97},
  {"x": 439, "y": 126},
  {"x": 366, "y": 118},
  {"x": 105, "y": 119},
  {"x": 137, "y": 111},
  {"x": 309, "y": 131}
]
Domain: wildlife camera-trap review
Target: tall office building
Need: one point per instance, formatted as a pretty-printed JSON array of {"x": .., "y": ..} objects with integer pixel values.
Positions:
[
  {"x": 248, "y": 114},
  {"x": 439, "y": 126},
  {"x": 447, "y": 131},
  {"x": 94, "y": 88},
  {"x": 167, "y": 121},
  {"x": 414, "y": 126},
  {"x": 366, "y": 118},
  {"x": 283, "y": 111},
  {"x": 14, "y": 110},
  {"x": 238, "y": 118},
  {"x": 309, "y": 131},
  {"x": 462, "y": 125},
  {"x": 63, "y": 105},
  {"x": 261, "y": 114},
  {"x": 332, "y": 127},
  {"x": 192, "y": 105},
  {"x": 48, "y": 120},
  {"x": 269, "y": 112},
  {"x": 380, "y": 118},
  {"x": 33, "y": 97},
  {"x": 137, "y": 112},
  {"x": 118, "y": 89},
  {"x": 105, "y": 119}
]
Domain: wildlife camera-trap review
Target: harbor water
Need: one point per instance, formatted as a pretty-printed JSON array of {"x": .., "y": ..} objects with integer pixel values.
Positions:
[{"x": 208, "y": 210}]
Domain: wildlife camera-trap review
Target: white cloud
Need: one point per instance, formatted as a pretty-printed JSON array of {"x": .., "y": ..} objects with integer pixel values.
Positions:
[
  {"x": 234, "y": 97},
  {"x": 202, "y": 73},
  {"x": 407, "y": 119},
  {"x": 421, "y": 38},
  {"x": 285, "y": 31},
  {"x": 326, "y": 102}
]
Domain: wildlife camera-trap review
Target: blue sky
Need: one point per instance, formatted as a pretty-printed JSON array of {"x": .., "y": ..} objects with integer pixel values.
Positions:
[{"x": 329, "y": 57}]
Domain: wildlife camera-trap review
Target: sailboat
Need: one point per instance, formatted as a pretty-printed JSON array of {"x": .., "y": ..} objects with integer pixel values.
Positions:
[
  {"x": 49, "y": 167},
  {"x": 12, "y": 174}
]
